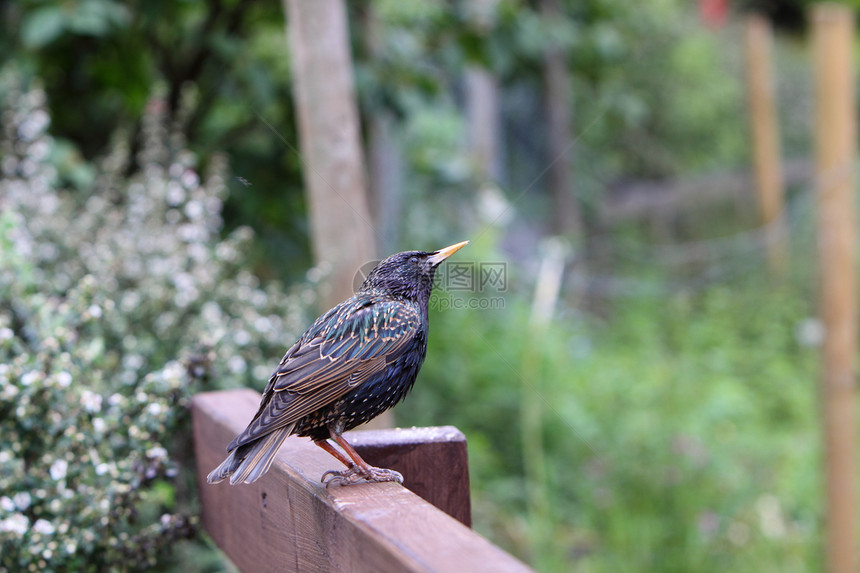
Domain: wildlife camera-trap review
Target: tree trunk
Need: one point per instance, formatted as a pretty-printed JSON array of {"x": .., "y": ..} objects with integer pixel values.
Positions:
[
  {"x": 482, "y": 95},
  {"x": 482, "y": 104},
  {"x": 566, "y": 217},
  {"x": 385, "y": 167},
  {"x": 329, "y": 136},
  {"x": 386, "y": 178}
]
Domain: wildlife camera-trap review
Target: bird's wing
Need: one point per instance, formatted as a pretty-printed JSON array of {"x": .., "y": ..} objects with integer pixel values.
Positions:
[{"x": 338, "y": 353}]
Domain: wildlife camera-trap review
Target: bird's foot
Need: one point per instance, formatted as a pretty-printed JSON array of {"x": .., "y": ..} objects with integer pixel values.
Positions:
[
  {"x": 345, "y": 477},
  {"x": 356, "y": 474},
  {"x": 382, "y": 474}
]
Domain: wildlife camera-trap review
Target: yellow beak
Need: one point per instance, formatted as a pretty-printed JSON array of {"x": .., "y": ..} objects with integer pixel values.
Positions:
[{"x": 443, "y": 254}]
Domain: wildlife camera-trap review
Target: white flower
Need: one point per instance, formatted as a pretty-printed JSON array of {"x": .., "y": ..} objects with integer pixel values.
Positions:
[
  {"x": 174, "y": 369},
  {"x": 43, "y": 526},
  {"x": 58, "y": 469},
  {"x": 9, "y": 391},
  {"x": 133, "y": 361},
  {"x": 263, "y": 324},
  {"x": 17, "y": 523},
  {"x": 236, "y": 364},
  {"x": 99, "y": 425},
  {"x": 175, "y": 194},
  {"x": 241, "y": 337},
  {"x": 194, "y": 210},
  {"x": 22, "y": 500},
  {"x": 6, "y": 503},
  {"x": 64, "y": 379},
  {"x": 190, "y": 179},
  {"x": 92, "y": 402},
  {"x": 156, "y": 452},
  {"x": 154, "y": 409},
  {"x": 29, "y": 377}
]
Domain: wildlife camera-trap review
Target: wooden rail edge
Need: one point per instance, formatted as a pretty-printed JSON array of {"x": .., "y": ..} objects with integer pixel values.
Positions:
[{"x": 287, "y": 521}]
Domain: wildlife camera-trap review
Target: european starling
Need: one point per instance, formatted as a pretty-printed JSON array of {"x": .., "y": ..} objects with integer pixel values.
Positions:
[{"x": 356, "y": 361}]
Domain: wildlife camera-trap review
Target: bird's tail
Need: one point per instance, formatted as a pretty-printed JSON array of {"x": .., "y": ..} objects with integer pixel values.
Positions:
[{"x": 249, "y": 462}]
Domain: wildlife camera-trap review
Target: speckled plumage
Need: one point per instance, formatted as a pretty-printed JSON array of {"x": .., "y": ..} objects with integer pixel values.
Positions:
[{"x": 354, "y": 362}]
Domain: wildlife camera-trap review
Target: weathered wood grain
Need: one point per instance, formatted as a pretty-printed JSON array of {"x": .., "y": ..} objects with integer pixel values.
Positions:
[
  {"x": 288, "y": 521},
  {"x": 433, "y": 461}
]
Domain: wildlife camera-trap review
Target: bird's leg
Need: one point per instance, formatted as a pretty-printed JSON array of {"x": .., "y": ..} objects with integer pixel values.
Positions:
[
  {"x": 351, "y": 475},
  {"x": 367, "y": 471},
  {"x": 334, "y": 451}
]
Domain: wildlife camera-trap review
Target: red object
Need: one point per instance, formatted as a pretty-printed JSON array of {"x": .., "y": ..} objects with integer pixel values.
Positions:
[{"x": 714, "y": 12}]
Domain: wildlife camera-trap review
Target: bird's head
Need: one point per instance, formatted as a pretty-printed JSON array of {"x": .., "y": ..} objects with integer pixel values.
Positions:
[{"x": 409, "y": 274}]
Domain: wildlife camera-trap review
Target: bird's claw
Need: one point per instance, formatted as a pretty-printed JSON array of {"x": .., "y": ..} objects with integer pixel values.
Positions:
[
  {"x": 345, "y": 477},
  {"x": 382, "y": 474},
  {"x": 356, "y": 474}
]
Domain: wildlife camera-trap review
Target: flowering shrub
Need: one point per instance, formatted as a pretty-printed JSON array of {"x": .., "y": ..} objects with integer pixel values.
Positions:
[{"x": 115, "y": 307}]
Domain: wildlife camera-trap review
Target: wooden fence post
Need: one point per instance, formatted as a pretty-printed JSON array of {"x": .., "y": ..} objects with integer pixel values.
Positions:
[
  {"x": 836, "y": 150},
  {"x": 765, "y": 134}
]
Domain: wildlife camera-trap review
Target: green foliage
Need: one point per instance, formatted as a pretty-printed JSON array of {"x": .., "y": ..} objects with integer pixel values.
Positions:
[
  {"x": 678, "y": 436},
  {"x": 46, "y": 23},
  {"x": 224, "y": 73},
  {"x": 83, "y": 458},
  {"x": 653, "y": 94},
  {"x": 671, "y": 94},
  {"x": 115, "y": 307}
]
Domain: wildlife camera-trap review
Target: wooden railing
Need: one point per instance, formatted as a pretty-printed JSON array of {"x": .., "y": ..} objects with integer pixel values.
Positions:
[{"x": 287, "y": 521}]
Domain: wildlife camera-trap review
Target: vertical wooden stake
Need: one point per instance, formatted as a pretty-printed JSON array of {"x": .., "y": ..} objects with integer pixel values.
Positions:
[
  {"x": 765, "y": 133},
  {"x": 833, "y": 43}
]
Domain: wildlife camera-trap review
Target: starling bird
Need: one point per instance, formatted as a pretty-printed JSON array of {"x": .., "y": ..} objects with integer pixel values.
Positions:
[{"x": 356, "y": 361}]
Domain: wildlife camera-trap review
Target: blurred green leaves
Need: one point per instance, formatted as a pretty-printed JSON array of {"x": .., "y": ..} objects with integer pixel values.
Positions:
[
  {"x": 679, "y": 435},
  {"x": 636, "y": 72},
  {"x": 47, "y": 22},
  {"x": 42, "y": 26}
]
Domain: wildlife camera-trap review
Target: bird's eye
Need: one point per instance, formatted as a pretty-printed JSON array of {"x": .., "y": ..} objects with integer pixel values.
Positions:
[{"x": 413, "y": 260}]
